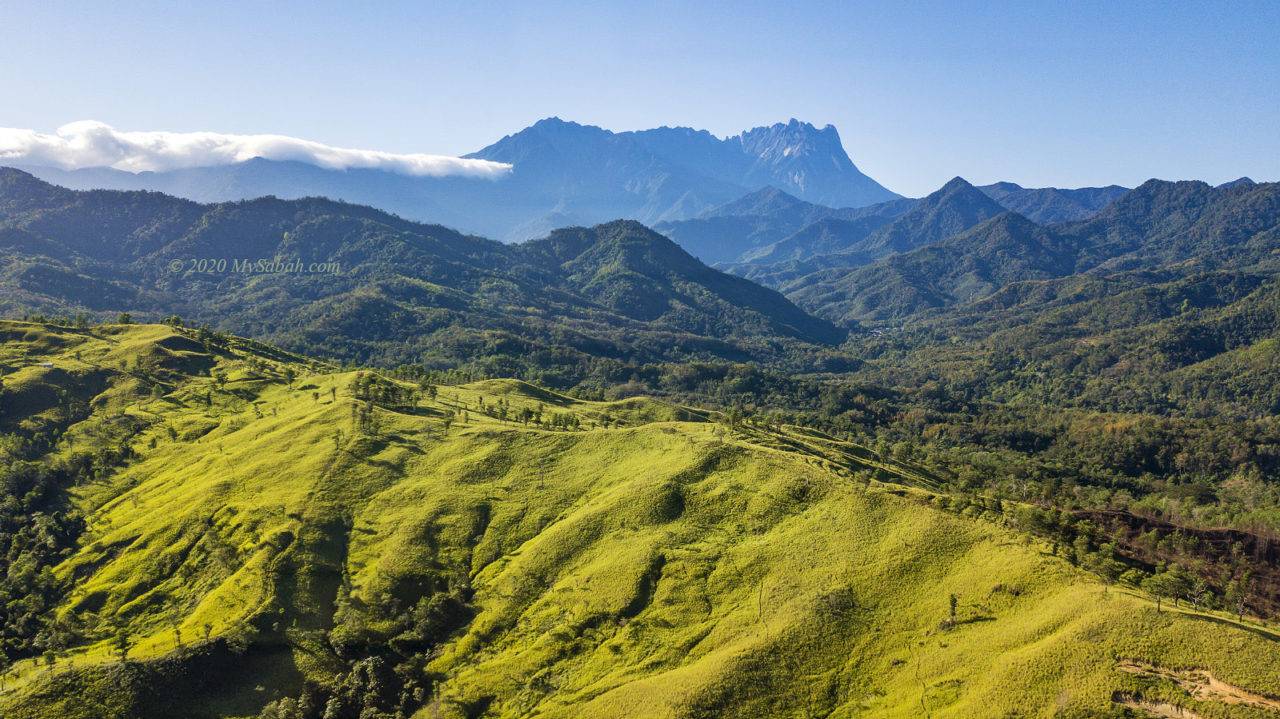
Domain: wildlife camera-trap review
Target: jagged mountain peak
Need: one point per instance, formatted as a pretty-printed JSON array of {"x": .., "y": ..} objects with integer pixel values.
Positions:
[
  {"x": 809, "y": 163},
  {"x": 683, "y": 130},
  {"x": 557, "y": 124},
  {"x": 549, "y": 135},
  {"x": 793, "y": 128},
  {"x": 795, "y": 139},
  {"x": 562, "y": 172}
]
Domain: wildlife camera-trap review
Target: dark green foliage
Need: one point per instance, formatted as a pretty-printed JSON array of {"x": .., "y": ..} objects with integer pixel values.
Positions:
[
  {"x": 1123, "y": 364},
  {"x": 954, "y": 208},
  {"x": 37, "y": 531},
  {"x": 190, "y": 683},
  {"x": 1049, "y": 205},
  {"x": 1155, "y": 227},
  {"x": 401, "y": 293}
]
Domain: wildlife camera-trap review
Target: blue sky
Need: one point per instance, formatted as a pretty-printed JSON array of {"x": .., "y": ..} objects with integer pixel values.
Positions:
[{"x": 1065, "y": 94}]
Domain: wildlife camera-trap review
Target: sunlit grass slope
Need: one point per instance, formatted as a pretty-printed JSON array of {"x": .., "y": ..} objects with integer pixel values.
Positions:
[{"x": 649, "y": 563}]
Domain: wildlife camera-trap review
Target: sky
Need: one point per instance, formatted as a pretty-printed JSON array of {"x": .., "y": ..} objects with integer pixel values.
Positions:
[{"x": 1038, "y": 93}]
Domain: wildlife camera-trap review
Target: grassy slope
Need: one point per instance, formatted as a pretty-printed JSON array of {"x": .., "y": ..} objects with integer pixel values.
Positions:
[{"x": 655, "y": 568}]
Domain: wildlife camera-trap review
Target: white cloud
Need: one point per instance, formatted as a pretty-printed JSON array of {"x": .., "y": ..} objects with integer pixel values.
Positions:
[{"x": 94, "y": 144}]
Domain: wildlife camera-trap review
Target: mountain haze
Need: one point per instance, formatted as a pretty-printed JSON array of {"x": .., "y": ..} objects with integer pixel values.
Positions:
[
  {"x": 748, "y": 228},
  {"x": 563, "y": 174},
  {"x": 1156, "y": 226},
  {"x": 1048, "y": 205},
  {"x": 952, "y": 209}
]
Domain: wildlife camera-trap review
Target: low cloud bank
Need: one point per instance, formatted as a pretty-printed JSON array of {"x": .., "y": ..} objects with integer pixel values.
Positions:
[{"x": 95, "y": 144}]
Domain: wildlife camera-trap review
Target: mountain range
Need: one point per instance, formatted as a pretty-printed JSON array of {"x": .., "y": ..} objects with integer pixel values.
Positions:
[
  {"x": 770, "y": 232},
  {"x": 784, "y": 199},
  {"x": 415, "y": 292},
  {"x": 422, "y": 293},
  {"x": 563, "y": 174},
  {"x": 1188, "y": 226},
  {"x": 1009, "y": 463}
]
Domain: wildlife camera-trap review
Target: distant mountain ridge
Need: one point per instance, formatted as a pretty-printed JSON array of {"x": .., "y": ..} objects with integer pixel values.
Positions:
[
  {"x": 796, "y": 157},
  {"x": 769, "y": 233},
  {"x": 750, "y": 225},
  {"x": 1048, "y": 205},
  {"x": 840, "y": 242},
  {"x": 1186, "y": 226},
  {"x": 952, "y": 209},
  {"x": 564, "y": 174}
]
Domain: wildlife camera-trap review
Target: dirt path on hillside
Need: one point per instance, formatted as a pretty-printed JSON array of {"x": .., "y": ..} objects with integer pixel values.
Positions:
[{"x": 1203, "y": 685}]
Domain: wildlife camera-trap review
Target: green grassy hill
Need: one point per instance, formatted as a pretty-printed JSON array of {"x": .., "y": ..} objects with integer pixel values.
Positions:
[{"x": 264, "y": 531}]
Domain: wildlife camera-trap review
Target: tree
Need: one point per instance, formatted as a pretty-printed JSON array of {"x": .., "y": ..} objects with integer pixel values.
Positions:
[
  {"x": 1200, "y": 591},
  {"x": 286, "y": 708},
  {"x": 954, "y": 602},
  {"x": 1166, "y": 584},
  {"x": 1238, "y": 595},
  {"x": 1180, "y": 583},
  {"x": 124, "y": 319},
  {"x": 1154, "y": 586},
  {"x": 122, "y": 643},
  {"x": 1109, "y": 569}
]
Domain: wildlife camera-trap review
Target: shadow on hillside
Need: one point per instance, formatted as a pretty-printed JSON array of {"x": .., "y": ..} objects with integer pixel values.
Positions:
[
  {"x": 1265, "y": 634},
  {"x": 364, "y": 449}
]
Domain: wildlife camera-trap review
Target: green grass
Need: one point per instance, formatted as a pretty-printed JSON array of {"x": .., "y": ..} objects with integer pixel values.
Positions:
[{"x": 663, "y": 567}]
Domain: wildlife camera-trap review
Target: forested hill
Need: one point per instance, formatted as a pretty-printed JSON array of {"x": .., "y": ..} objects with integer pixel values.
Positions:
[
  {"x": 1049, "y": 205},
  {"x": 385, "y": 289},
  {"x": 1189, "y": 226},
  {"x": 952, "y": 209}
]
